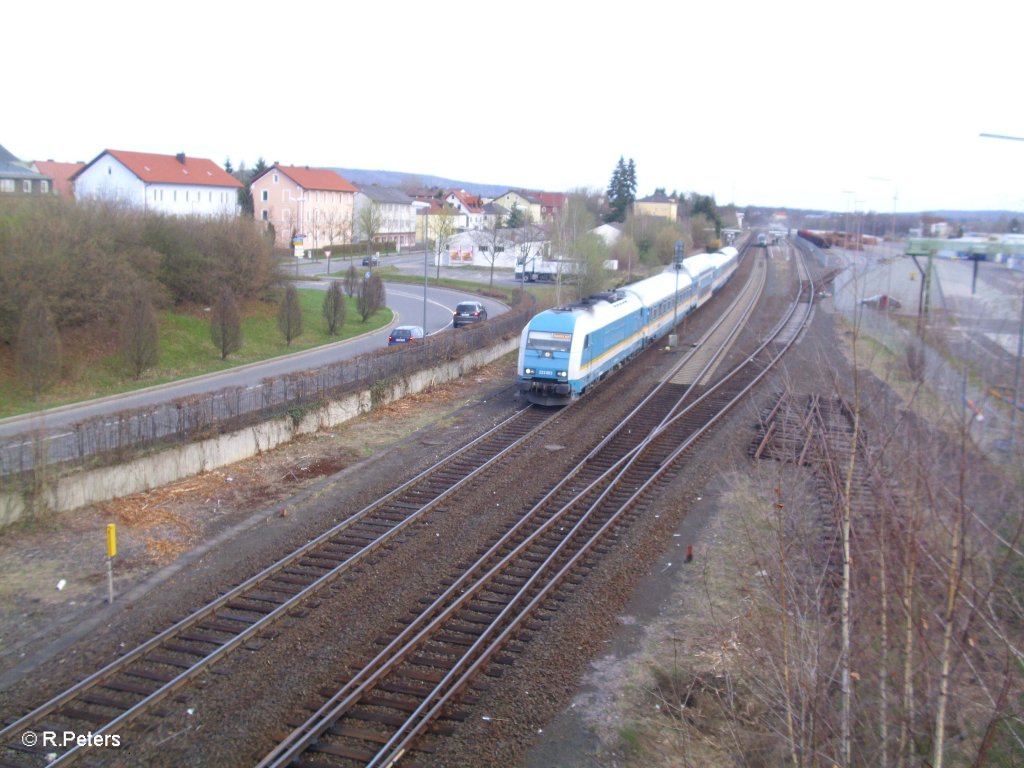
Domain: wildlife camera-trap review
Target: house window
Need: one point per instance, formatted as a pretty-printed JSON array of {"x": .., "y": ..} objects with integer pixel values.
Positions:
[
  {"x": 44, "y": 187},
  {"x": 6, "y": 185},
  {"x": 175, "y": 198},
  {"x": 264, "y": 215},
  {"x": 264, "y": 195},
  {"x": 26, "y": 186},
  {"x": 275, "y": 178}
]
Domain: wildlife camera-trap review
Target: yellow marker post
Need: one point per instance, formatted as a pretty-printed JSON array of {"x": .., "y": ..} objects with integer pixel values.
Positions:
[{"x": 111, "y": 553}]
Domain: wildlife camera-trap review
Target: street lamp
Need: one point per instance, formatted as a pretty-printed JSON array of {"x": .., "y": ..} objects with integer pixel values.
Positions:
[
  {"x": 300, "y": 200},
  {"x": 895, "y": 194},
  {"x": 426, "y": 250},
  {"x": 846, "y": 225},
  {"x": 673, "y": 338}
]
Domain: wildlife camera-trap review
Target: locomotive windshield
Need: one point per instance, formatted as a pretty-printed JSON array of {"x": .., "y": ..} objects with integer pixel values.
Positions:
[{"x": 549, "y": 341}]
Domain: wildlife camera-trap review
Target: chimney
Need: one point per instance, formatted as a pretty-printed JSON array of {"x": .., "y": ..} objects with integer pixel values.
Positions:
[{"x": 180, "y": 157}]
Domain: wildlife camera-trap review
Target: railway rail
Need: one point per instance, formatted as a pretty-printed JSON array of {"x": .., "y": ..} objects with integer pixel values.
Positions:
[
  {"x": 136, "y": 682},
  {"x": 393, "y": 705}
]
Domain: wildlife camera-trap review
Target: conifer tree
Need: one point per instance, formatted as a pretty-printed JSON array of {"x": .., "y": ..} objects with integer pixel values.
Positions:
[{"x": 621, "y": 190}]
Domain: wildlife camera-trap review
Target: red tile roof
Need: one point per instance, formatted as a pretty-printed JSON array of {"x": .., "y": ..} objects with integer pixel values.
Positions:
[
  {"x": 168, "y": 169},
  {"x": 61, "y": 174},
  {"x": 550, "y": 199},
  {"x": 471, "y": 202},
  {"x": 316, "y": 178}
]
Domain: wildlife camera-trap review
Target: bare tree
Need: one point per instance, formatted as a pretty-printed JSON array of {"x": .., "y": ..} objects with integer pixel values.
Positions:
[
  {"x": 334, "y": 307},
  {"x": 442, "y": 225},
  {"x": 369, "y": 220},
  {"x": 139, "y": 338},
  {"x": 38, "y": 351},
  {"x": 226, "y": 324},
  {"x": 338, "y": 228},
  {"x": 567, "y": 230},
  {"x": 495, "y": 244},
  {"x": 351, "y": 281},
  {"x": 370, "y": 296},
  {"x": 289, "y": 315}
]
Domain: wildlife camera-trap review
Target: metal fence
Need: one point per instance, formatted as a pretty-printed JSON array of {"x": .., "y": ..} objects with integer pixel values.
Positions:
[{"x": 110, "y": 439}]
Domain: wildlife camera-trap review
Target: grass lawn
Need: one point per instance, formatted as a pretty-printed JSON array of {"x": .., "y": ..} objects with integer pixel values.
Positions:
[{"x": 185, "y": 351}]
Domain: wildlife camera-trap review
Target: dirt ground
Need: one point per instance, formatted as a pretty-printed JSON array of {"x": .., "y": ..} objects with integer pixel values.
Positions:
[{"x": 55, "y": 586}]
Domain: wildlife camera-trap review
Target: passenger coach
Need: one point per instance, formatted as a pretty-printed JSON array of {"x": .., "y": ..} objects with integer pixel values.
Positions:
[{"x": 565, "y": 350}]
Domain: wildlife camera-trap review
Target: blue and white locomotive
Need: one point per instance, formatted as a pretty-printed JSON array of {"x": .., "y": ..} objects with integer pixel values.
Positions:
[{"x": 565, "y": 350}]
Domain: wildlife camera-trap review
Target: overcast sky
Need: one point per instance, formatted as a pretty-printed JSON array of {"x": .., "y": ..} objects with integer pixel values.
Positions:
[{"x": 776, "y": 103}]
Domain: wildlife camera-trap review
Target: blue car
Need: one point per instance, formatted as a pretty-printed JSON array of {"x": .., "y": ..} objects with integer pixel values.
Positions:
[{"x": 405, "y": 334}]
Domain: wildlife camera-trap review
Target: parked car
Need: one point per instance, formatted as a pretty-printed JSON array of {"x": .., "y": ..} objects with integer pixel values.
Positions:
[
  {"x": 371, "y": 261},
  {"x": 405, "y": 334},
  {"x": 468, "y": 312},
  {"x": 881, "y": 301}
]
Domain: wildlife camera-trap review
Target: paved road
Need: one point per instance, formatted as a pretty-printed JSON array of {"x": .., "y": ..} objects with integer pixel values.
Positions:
[{"x": 406, "y": 301}]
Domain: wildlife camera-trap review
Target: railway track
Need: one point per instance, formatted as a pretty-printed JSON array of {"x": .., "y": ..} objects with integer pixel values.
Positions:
[
  {"x": 135, "y": 684},
  {"x": 396, "y": 703},
  {"x": 138, "y": 681}
]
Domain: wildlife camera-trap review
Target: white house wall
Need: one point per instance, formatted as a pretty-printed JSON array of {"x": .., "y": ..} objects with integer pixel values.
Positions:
[
  {"x": 184, "y": 200},
  {"x": 108, "y": 179}
]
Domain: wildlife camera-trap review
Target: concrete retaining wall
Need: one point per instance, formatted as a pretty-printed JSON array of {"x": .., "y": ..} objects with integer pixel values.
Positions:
[{"x": 88, "y": 487}]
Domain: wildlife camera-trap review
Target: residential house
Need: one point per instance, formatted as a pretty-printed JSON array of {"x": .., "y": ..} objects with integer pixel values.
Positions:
[
  {"x": 61, "y": 174},
  {"x": 397, "y": 215},
  {"x": 659, "y": 205},
  {"x": 529, "y": 205},
  {"x": 429, "y": 213},
  {"x": 21, "y": 178},
  {"x": 494, "y": 215},
  {"x": 316, "y": 203},
  {"x": 470, "y": 206},
  {"x": 177, "y": 185},
  {"x": 551, "y": 204},
  {"x": 610, "y": 232}
]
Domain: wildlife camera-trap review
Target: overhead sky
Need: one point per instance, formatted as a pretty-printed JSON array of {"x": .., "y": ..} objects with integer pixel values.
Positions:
[{"x": 839, "y": 106}]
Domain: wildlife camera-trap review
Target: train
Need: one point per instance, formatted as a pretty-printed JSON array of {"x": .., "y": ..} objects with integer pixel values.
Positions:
[{"x": 565, "y": 351}]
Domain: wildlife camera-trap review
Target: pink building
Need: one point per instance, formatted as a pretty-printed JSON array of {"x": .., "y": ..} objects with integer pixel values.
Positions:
[{"x": 314, "y": 202}]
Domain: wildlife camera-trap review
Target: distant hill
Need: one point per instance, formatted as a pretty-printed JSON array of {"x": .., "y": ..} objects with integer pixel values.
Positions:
[{"x": 361, "y": 177}]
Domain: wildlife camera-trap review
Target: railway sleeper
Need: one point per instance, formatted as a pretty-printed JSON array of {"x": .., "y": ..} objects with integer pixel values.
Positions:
[
  {"x": 170, "y": 661},
  {"x": 203, "y": 637},
  {"x": 129, "y": 687},
  {"x": 231, "y": 626},
  {"x": 486, "y": 607},
  {"x": 145, "y": 674},
  {"x": 99, "y": 700},
  {"x": 77, "y": 713},
  {"x": 362, "y": 756}
]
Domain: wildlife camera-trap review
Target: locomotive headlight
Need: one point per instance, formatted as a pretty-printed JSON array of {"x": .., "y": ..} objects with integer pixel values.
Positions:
[
  {"x": 547, "y": 353},
  {"x": 528, "y": 371},
  {"x": 563, "y": 374}
]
